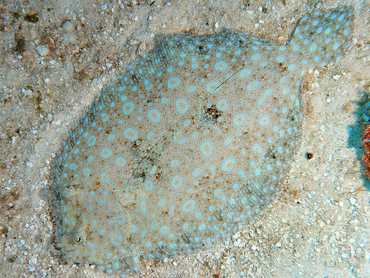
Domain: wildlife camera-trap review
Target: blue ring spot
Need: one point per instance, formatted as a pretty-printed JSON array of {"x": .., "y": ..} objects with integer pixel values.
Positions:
[
  {"x": 164, "y": 229},
  {"x": 104, "y": 178},
  {"x": 218, "y": 193},
  {"x": 149, "y": 185},
  {"x": 177, "y": 181},
  {"x": 128, "y": 107},
  {"x": 241, "y": 174},
  {"x": 105, "y": 117},
  {"x": 239, "y": 119},
  {"x": 228, "y": 140},
  {"x": 73, "y": 166},
  {"x": 261, "y": 101},
  {"x": 134, "y": 230},
  {"x": 280, "y": 59},
  {"x": 188, "y": 206},
  {"x": 173, "y": 82},
  {"x": 182, "y": 105},
  {"x": 213, "y": 87},
  {"x": 131, "y": 134},
  {"x": 86, "y": 172},
  {"x": 101, "y": 202},
  {"x": 143, "y": 206},
  {"x": 91, "y": 141},
  {"x": 121, "y": 219},
  {"x": 187, "y": 123},
  {"x": 106, "y": 153},
  {"x": 221, "y": 65},
  {"x": 228, "y": 164},
  {"x": 292, "y": 67},
  {"x": 154, "y": 115},
  {"x": 285, "y": 91},
  {"x": 222, "y": 105},
  {"x": 253, "y": 85},
  {"x": 313, "y": 46},
  {"x": 244, "y": 73},
  {"x": 206, "y": 149},
  {"x": 174, "y": 163},
  {"x": 110, "y": 137},
  {"x": 255, "y": 57},
  {"x": 150, "y": 135},
  {"x": 120, "y": 162},
  {"x": 162, "y": 202},
  {"x": 93, "y": 223},
  {"x": 196, "y": 172},
  {"x": 264, "y": 120},
  {"x": 257, "y": 148},
  {"x": 191, "y": 89}
]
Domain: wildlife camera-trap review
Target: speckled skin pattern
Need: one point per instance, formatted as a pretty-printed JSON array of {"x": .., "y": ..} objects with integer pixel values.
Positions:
[{"x": 187, "y": 144}]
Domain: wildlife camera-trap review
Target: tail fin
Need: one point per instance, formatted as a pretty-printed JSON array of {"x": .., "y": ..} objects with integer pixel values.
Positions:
[{"x": 321, "y": 38}]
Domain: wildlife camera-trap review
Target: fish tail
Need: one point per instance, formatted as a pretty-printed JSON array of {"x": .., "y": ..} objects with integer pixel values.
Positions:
[{"x": 322, "y": 37}]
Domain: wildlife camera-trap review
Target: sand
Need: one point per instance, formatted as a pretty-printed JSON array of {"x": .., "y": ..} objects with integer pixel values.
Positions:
[{"x": 56, "y": 55}]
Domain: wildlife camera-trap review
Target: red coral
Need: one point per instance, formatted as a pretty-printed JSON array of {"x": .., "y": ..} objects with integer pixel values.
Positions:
[{"x": 366, "y": 156}]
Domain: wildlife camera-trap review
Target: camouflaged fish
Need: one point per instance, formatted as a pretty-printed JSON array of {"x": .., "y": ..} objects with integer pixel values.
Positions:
[{"x": 187, "y": 144}]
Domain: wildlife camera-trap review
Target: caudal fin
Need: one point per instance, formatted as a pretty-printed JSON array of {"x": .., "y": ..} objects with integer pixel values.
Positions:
[{"x": 321, "y": 38}]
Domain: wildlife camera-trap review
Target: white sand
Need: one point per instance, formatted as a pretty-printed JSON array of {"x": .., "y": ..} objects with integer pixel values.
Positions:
[{"x": 318, "y": 228}]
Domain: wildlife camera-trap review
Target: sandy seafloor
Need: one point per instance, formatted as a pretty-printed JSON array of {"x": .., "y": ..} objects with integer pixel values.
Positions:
[{"x": 53, "y": 67}]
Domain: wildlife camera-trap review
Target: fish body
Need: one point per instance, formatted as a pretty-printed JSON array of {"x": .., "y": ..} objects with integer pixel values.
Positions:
[{"x": 188, "y": 144}]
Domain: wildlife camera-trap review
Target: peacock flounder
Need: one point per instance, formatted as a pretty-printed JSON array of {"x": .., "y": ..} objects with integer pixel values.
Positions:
[{"x": 188, "y": 144}]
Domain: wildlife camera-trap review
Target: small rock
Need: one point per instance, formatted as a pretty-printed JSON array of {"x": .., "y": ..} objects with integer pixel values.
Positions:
[
  {"x": 336, "y": 76},
  {"x": 42, "y": 50},
  {"x": 68, "y": 26}
]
